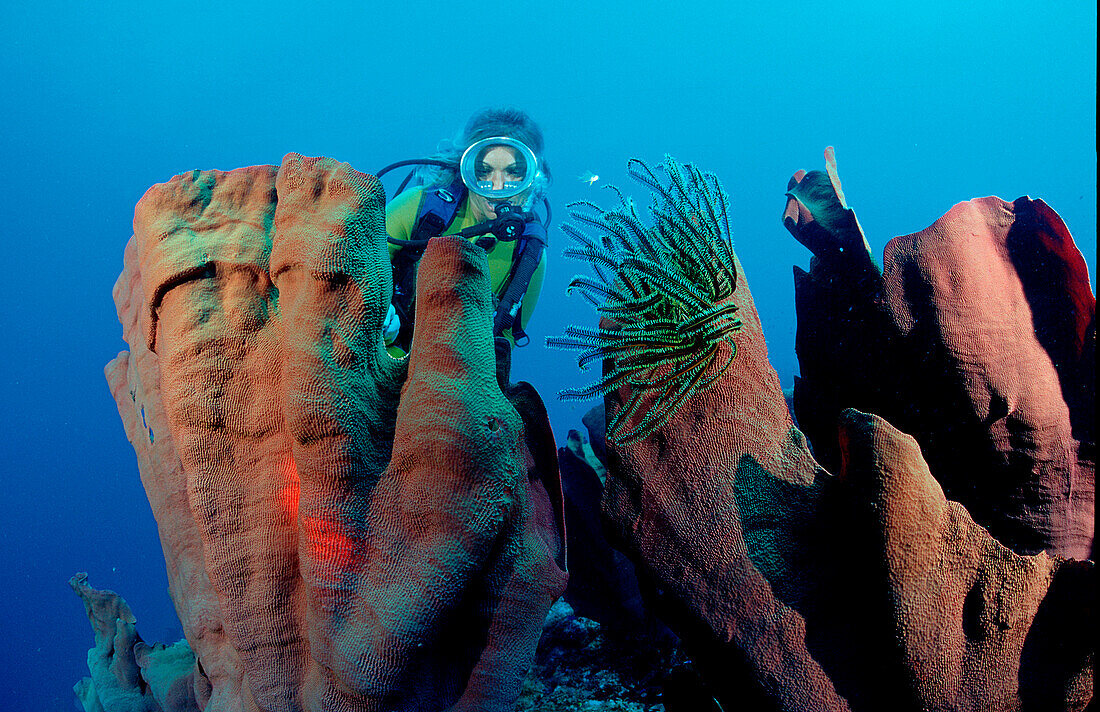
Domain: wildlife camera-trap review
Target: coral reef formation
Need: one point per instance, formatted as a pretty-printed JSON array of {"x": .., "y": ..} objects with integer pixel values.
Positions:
[
  {"x": 602, "y": 585},
  {"x": 860, "y": 586},
  {"x": 127, "y": 674},
  {"x": 347, "y": 531},
  {"x": 579, "y": 666},
  {"x": 342, "y": 530},
  {"x": 978, "y": 338}
]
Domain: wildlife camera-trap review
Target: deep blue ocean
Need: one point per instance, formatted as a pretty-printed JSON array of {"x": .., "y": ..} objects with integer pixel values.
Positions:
[{"x": 927, "y": 105}]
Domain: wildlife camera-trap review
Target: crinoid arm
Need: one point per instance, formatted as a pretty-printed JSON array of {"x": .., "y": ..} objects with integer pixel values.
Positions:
[{"x": 664, "y": 287}]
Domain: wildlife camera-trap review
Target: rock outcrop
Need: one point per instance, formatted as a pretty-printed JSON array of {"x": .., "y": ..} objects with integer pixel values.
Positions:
[{"x": 342, "y": 530}]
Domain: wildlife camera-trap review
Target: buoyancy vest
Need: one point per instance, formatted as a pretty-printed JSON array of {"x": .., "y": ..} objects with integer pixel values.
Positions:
[{"x": 437, "y": 210}]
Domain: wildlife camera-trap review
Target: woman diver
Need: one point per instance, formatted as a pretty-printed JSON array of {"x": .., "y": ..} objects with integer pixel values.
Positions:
[{"x": 482, "y": 185}]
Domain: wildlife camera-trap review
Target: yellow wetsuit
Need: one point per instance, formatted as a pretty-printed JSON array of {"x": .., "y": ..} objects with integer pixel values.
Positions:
[{"x": 401, "y": 214}]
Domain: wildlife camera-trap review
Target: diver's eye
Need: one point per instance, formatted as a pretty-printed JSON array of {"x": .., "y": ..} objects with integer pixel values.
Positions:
[{"x": 482, "y": 171}]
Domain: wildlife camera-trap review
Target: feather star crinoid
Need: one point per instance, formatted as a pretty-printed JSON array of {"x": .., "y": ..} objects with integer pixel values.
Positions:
[{"x": 662, "y": 291}]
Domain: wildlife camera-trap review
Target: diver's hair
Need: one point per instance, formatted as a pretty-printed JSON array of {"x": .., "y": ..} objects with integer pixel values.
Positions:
[{"x": 485, "y": 123}]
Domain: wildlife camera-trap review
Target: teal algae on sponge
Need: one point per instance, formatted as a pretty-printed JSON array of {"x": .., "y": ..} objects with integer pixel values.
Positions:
[
  {"x": 662, "y": 291},
  {"x": 342, "y": 530}
]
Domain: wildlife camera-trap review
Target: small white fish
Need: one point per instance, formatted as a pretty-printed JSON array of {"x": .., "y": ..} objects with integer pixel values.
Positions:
[{"x": 588, "y": 177}]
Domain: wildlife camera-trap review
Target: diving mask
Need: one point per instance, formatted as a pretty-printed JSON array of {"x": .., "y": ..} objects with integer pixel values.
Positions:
[{"x": 499, "y": 168}]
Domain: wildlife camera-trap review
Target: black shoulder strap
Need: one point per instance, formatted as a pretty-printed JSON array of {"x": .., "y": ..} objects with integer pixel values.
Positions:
[
  {"x": 528, "y": 254},
  {"x": 438, "y": 207}
]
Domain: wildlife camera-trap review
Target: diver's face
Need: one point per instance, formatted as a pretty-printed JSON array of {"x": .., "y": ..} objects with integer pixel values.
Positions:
[{"x": 498, "y": 165}]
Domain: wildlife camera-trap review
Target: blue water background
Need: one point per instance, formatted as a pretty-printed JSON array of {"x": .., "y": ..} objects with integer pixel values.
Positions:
[{"x": 927, "y": 104}]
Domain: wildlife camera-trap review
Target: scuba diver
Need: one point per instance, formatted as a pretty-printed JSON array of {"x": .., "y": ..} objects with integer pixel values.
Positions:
[{"x": 483, "y": 186}]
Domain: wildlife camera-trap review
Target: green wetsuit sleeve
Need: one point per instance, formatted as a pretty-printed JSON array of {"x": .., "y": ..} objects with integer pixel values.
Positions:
[{"x": 401, "y": 216}]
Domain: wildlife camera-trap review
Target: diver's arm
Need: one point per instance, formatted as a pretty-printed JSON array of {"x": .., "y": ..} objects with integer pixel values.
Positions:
[{"x": 532, "y": 296}]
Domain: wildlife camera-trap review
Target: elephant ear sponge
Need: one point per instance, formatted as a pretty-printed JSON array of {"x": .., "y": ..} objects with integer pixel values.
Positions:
[{"x": 663, "y": 291}]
